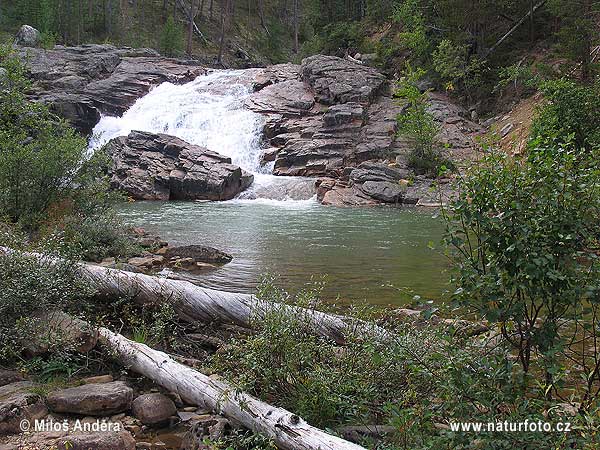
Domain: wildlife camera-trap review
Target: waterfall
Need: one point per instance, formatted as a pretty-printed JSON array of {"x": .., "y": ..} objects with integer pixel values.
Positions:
[{"x": 209, "y": 112}]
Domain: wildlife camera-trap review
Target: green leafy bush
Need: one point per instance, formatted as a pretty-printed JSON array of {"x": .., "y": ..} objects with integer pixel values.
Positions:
[
  {"x": 39, "y": 153},
  {"x": 524, "y": 235},
  {"x": 571, "y": 113},
  {"x": 30, "y": 285},
  {"x": 419, "y": 126}
]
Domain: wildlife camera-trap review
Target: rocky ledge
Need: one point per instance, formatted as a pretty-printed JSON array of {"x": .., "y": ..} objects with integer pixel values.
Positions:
[
  {"x": 336, "y": 119},
  {"x": 325, "y": 118},
  {"x": 80, "y": 83},
  {"x": 101, "y": 414},
  {"x": 151, "y": 166}
]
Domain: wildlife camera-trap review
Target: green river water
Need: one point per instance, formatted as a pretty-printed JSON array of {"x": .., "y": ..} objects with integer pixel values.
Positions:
[{"x": 378, "y": 255}]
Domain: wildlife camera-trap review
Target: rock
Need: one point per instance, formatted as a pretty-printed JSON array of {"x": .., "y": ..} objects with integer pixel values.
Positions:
[
  {"x": 98, "y": 379},
  {"x": 56, "y": 326},
  {"x": 212, "y": 428},
  {"x": 153, "y": 409},
  {"x": 376, "y": 171},
  {"x": 337, "y": 80},
  {"x": 289, "y": 98},
  {"x": 384, "y": 190},
  {"x": 160, "y": 167},
  {"x": 82, "y": 82},
  {"x": 3, "y": 76},
  {"x": 9, "y": 376},
  {"x": 269, "y": 155},
  {"x": 18, "y": 403},
  {"x": 276, "y": 74},
  {"x": 28, "y": 36},
  {"x": 344, "y": 114},
  {"x": 332, "y": 192},
  {"x": 107, "y": 440},
  {"x": 92, "y": 399},
  {"x": 147, "y": 262},
  {"x": 199, "y": 253}
]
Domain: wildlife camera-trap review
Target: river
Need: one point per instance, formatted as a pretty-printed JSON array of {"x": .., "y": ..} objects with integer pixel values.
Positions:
[{"x": 379, "y": 255}]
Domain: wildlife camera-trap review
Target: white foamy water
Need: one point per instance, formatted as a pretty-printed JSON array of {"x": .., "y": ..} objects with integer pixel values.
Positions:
[{"x": 209, "y": 112}]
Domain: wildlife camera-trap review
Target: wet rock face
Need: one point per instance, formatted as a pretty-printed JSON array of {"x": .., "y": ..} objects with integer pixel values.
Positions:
[
  {"x": 82, "y": 82},
  {"x": 92, "y": 399},
  {"x": 160, "y": 167},
  {"x": 348, "y": 136}
]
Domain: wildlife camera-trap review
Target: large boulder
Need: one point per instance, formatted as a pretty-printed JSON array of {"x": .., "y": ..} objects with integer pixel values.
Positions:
[
  {"x": 92, "y": 399},
  {"x": 153, "y": 409},
  {"x": 338, "y": 116},
  {"x": 56, "y": 326},
  {"x": 27, "y": 36},
  {"x": 152, "y": 166}
]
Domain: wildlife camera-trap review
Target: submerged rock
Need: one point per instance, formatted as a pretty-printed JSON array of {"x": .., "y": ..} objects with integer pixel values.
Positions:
[
  {"x": 161, "y": 167},
  {"x": 199, "y": 253}
]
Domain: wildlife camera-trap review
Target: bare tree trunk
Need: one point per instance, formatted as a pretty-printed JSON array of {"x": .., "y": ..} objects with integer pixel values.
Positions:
[
  {"x": 261, "y": 15},
  {"x": 586, "y": 70},
  {"x": 191, "y": 28},
  {"x": 286, "y": 429},
  {"x": 194, "y": 303},
  {"x": 79, "y": 21},
  {"x": 224, "y": 9},
  {"x": 296, "y": 25}
]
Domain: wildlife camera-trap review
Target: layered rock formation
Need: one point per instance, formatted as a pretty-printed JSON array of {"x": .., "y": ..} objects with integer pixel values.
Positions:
[
  {"x": 337, "y": 120},
  {"x": 82, "y": 82},
  {"x": 326, "y": 118},
  {"x": 160, "y": 167}
]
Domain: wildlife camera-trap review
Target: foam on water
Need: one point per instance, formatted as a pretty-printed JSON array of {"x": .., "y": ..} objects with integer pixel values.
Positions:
[{"x": 209, "y": 112}]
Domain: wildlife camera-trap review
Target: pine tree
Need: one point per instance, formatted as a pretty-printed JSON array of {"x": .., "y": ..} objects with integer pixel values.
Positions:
[{"x": 171, "y": 38}]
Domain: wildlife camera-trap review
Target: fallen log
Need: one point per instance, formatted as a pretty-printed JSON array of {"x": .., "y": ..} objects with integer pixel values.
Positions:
[
  {"x": 287, "y": 430},
  {"x": 195, "y": 303}
]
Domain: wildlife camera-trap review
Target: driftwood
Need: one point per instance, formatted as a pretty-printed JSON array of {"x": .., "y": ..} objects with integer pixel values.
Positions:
[
  {"x": 194, "y": 303},
  {"x": 286, "y": 429}
]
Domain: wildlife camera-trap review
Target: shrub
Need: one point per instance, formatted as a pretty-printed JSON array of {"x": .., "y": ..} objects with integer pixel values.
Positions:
[
  {"x": 30, "y": 285},
  {"x": 419, "y": 126},
  {"x": 524, "y": 238},
  {"x": 571, "y": 112},
  {"x": 39, "y": 153}
]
